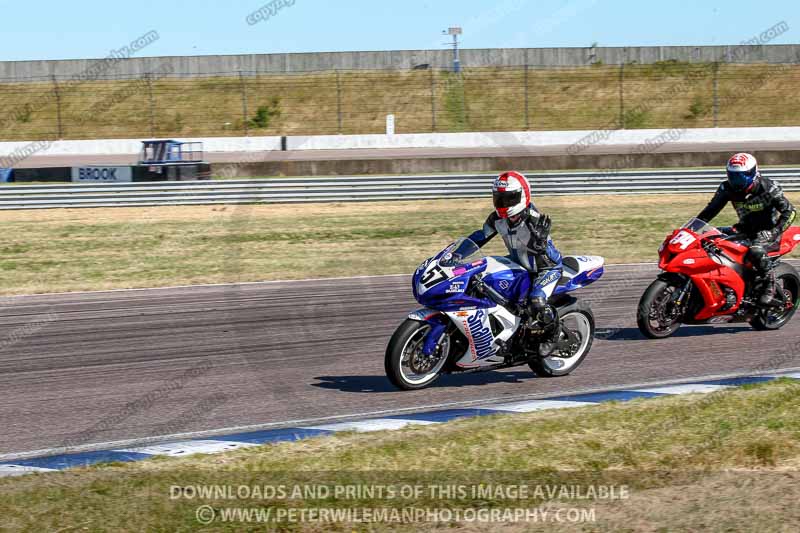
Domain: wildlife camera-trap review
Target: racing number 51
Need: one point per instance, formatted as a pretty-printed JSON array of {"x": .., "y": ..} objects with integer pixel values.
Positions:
[{"x": 433, "y": 276}]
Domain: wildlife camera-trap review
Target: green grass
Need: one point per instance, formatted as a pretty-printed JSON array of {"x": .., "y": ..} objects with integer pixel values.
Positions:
[
  {"x": 720, "y": 462},
  {"x": 88, "y": 249},
  {"x": 668, "y": 95}
]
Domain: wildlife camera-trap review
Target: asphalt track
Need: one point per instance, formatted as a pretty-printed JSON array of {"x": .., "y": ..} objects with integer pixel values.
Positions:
[
  {"x": 41, "y": 161},
  {"x": 84, "y": 368}
]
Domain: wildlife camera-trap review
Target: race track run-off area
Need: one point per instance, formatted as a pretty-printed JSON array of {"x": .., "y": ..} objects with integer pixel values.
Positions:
[{"x": 83, "y": 369}]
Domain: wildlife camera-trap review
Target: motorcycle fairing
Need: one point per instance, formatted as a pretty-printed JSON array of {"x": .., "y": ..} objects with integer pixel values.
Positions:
[
  {"x": 477, "y": 328},
  {"x": 442, "y": 289},
  {"x": 682, "y": 253},
  {"x": 507, "y": 278},
  {"x": 789, "y": 239},
  {"x": 579, "y": 271}
]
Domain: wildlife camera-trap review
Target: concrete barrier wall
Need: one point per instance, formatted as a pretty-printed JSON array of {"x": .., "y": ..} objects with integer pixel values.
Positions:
[
  {"x": 401, "y": 59},
  {"x": 609, "y": 164},
  {"x": 697, "y": 136},
  {"x": 134, "y": 146},
  {"x": 530, "y": 139}
]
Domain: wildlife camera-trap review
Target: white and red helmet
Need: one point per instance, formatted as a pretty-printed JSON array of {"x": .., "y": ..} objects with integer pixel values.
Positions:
[
  {"x": 511, "y": 194},
  {"x": 742, "y": 172}
]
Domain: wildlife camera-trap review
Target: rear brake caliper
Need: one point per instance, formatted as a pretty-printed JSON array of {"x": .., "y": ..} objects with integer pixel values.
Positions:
[{"x": 787, "y": 296}]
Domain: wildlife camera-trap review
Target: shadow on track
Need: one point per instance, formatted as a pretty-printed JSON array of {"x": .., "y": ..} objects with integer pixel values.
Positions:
[
  {"x": 631, "y": 334},
  {"x": 375, "y": 384}
]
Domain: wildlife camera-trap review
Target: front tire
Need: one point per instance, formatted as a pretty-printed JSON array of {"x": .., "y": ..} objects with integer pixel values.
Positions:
[
  {"x": 655, "y": 316},
  {"x": 788, "y": 281},
  {"x": 406, "y": 366},
  {"x": 581, "y": 322}
]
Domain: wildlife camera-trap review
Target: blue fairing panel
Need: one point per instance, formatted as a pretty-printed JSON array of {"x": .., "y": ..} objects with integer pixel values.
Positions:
[
  {"x": 581, "y": 280},
  {"x": 449, "y": 294},
  {"x": 510, "y": 284}
]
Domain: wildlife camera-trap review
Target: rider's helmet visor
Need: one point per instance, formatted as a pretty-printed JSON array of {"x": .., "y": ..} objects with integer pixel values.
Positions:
[
  {"x": 741, "y": 179},
  {"x": 506, "y": 199}
]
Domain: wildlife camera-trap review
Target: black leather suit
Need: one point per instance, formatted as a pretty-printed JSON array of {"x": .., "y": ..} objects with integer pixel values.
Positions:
[{"x": 764, "y": 214}]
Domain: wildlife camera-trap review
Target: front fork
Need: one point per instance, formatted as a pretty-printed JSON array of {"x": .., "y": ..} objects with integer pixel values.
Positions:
[
  {"x": 683, "y": 294},
  {"x": 438, "y": 324}
]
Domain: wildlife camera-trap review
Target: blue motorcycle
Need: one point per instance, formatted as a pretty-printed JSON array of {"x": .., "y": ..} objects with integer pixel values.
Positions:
[{"x": 470, "y": 321}]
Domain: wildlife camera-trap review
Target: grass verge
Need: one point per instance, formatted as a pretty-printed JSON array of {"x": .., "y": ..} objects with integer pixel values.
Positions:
[
  {"x": 90, "y": 249},
  {"x": 726, "y": 461},
  {"x": 667, "y": 94}
]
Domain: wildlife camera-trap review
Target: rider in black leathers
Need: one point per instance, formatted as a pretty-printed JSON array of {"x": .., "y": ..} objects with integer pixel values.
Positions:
[{"x": 764, "y": 214}]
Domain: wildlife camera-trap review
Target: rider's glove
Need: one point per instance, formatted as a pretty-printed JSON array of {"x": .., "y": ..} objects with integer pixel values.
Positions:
[
  {"x": 769, "y": 235},
  {"x": 542, "y": 225},
  {"x": 540, "y": 230}
]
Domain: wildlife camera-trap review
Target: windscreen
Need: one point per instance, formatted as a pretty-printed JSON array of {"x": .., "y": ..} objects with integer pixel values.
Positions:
[
  {"x": 460, "y": 252},
  {"x": 701, "y": 227}
]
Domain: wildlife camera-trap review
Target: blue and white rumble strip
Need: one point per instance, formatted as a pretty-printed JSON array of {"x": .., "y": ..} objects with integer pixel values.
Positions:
[{"x": 255, "y": 438}]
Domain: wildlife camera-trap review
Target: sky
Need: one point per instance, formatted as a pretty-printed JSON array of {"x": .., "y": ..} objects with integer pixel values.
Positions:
[{"x": 92, "y": 28}]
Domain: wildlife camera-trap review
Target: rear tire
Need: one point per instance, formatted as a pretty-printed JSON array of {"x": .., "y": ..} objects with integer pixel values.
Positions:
[
  {"x": 654, "y": 296},
  {"x": 551, "y": 367},
  {"x": 787, "y": 280},
  {"x": 404, "y": 363}
]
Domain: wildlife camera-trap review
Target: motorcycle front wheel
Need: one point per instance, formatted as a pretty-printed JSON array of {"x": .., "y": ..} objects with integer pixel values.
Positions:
[
  {"x": 406, "y": 366},
  {"x": 656, "y": 316}
]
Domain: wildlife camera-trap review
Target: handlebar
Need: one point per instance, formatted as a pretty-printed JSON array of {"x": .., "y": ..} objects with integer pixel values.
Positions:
[{"x": 710, "y": 247}]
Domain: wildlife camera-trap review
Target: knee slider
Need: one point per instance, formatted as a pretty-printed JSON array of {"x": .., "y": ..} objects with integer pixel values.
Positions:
[
  {"x": 538, "y": 303},
  {"x": 758, "y": 256},
  {"x": 547, "y": 316},
  {"x": 757, "y": 251}
]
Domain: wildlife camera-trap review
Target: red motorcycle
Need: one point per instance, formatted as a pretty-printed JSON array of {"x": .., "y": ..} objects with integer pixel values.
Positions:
[{"x": 706, "y": 280}]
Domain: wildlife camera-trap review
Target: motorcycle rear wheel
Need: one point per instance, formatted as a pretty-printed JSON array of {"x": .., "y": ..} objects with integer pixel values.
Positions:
[
  {"x": 581, "y": 322},
  {"x": 788, "y": 281}
]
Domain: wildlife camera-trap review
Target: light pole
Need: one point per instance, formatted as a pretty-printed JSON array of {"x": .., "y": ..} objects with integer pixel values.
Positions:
[{"x": 455, "y": 31}]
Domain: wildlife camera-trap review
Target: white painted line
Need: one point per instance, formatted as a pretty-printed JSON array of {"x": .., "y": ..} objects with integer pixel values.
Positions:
[
  {"x": 116, "y": 445},
  {"x": 16, "y": 470},
  {"x": 537, "y": 405},
  {"x": 376, "y": 424},
  {"x": 249, "y": 283},
  {"x": 207, "y": 285},
  {"x": 685, "y": 389},
  {"x": 795, "y": 375},
  {"x": 178, "y": 449}
]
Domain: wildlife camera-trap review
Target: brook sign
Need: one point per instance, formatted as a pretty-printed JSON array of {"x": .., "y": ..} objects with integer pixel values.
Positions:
[{"x": 96, "y": 174}]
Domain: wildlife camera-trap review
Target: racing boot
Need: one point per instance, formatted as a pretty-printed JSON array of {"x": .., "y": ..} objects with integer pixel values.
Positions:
[
  {"x": 769, "y": 287},
  {"x": 548, "y": 318},
  {"x": 551, "y": 341},
  {"x": 765, "y": 276}
]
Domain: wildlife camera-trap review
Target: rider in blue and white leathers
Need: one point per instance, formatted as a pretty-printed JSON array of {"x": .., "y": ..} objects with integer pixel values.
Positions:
[{"x": 526, "y": 234}]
